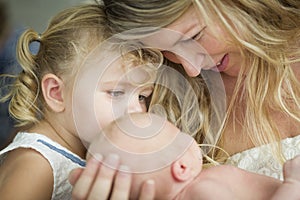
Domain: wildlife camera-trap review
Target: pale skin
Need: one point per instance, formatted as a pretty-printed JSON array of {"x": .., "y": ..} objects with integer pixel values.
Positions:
[
  {"x": 184, "y": 178},
  {"x": 29, "y": 173},
  {"x": 192, "y": 27}
]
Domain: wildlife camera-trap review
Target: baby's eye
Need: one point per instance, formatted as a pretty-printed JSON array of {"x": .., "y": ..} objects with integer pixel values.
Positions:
[{"x": 115, "y": 93}]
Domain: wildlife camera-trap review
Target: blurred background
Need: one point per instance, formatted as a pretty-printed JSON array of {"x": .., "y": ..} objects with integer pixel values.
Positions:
[
  {"x": 15, "y": 16},
  {"x": 35, "y": 13}
]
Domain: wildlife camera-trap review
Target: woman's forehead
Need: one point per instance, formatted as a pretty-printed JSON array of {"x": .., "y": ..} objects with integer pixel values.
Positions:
[
  {"x": 167, "y": 37},
  {"x": 186, "y": 21}
]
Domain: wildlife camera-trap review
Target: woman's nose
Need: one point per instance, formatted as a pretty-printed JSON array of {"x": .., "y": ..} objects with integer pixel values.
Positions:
[{"x": 191, "y": 67}]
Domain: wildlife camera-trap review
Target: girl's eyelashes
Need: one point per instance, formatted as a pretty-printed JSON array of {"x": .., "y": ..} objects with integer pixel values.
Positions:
[
  {"x": 145, "y": 95},
  {"x": 142, "y": 98},
  {"x": 115, "y": 93},
  {"x": 142, "y": 95}
]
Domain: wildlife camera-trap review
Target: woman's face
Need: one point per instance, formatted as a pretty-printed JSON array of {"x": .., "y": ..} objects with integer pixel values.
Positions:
[{"x": 188, "y": 32}]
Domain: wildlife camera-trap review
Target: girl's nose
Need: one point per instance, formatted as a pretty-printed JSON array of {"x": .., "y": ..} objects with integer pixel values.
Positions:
[{"x": 134, "y": 105}]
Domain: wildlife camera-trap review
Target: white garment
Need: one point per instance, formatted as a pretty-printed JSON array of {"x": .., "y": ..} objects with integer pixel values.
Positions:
[
  {"x": 260, "y": 159},
  {"x": 62, "y": 160}
]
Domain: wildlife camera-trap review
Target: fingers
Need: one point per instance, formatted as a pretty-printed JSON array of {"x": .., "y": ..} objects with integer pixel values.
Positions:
[
  {"x": 105, "y": 177},
  {"x": 84, "y": 182},
  {"x": 122, "y": 184},
  {"x": 74, "y": 175},
  {"x": 147, "y": 191},
  {"x": 103, "y": 180}
]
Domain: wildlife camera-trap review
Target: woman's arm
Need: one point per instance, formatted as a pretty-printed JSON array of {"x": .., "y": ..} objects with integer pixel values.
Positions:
[{"x": 291, "y": 184}]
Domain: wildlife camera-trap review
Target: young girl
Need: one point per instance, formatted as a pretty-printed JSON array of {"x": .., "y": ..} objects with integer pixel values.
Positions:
[{"x": 49, "y": 94}]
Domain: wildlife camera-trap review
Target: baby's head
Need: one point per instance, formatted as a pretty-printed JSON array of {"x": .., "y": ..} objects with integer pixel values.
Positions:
[{"x": 153, "y": 148}]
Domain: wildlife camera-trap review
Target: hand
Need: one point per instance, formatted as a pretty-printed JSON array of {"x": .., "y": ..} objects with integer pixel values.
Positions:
[
  {"x": 291, "y": 169},
  {"x": 95, "y": 181}
]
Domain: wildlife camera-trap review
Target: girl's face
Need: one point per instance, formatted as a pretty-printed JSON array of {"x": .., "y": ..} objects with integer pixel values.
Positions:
[
  {"x": 192, "y": 31},
  {"x": 104, "y": 92},
  {"x": 121, "y": 91}
]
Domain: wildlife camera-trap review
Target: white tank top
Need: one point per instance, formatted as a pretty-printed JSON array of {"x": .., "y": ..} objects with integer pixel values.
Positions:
[
  {"x": 260, "y": 159},
  {"x": 62, "y": 160}
]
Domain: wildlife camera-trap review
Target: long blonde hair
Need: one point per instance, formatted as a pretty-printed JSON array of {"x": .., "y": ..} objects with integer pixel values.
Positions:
[
  {"x": 187, "y": 103},
  {"x": 267, "y": 34}
]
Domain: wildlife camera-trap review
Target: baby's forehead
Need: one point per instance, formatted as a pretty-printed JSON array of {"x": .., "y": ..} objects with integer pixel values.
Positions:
[
  {"x": 144, "y": 142},
  {"x": 144, "y": 138}
]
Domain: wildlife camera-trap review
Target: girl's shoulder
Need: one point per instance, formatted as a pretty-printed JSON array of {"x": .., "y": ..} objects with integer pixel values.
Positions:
[{"x": 24, "y": 170}]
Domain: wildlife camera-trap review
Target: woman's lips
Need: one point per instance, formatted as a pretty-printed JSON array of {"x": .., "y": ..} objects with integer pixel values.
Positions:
[{"x": 222, "y": 65}]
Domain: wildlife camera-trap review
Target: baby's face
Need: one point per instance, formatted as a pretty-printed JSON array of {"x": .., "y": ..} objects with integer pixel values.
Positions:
[
  {"x": 146, "y": 143},
  {"x": 197, "y": 158}
]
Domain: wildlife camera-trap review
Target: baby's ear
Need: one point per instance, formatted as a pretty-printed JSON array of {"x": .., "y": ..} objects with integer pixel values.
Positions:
[
  {"x": 181, "y": 170},
  {"x": 52, "y": 87}
]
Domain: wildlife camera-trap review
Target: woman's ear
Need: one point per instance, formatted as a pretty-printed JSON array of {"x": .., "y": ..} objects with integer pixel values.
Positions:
[
  {"x": 181, "y": 170},
  {"x": 52, "y": 87}
]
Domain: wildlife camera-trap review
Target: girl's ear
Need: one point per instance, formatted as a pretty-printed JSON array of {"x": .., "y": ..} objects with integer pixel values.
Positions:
[
  {"x": 181, "y": 170},
  {"x": 52, "y": 87}
]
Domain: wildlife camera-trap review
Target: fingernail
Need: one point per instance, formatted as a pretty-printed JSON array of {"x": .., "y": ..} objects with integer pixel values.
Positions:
[
  {"x": 124, "y": 168},
  {"x": 112, "y": 160},
  {"x": 98, "y": 157},
  {"x": 150, "y": 182}
]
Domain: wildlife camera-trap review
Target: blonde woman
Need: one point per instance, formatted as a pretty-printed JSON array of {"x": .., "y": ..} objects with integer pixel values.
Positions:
[
  {"x": 52, "y": 97},
  {"x": 255, "y": 45}
]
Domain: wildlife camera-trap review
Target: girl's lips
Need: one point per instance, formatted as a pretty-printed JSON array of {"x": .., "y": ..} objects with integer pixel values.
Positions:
[{"x": 222, "y": 65}]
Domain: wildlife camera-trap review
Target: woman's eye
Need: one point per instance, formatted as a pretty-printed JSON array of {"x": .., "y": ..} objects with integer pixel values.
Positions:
[
  {"x": 198, "y": 36},
  {"x": 114, "y": 93}
]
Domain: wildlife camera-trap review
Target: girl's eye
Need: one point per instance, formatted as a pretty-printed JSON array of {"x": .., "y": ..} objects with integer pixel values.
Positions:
[
  {"x": 142, "y": 98},
  {"x": 114, "y": 93}
]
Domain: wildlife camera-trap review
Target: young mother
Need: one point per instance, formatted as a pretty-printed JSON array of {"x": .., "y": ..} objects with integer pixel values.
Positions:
[{"x": 256, "y": 47}]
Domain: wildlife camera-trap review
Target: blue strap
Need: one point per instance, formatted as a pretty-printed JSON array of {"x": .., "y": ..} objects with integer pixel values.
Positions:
[{"x": 64, "y": 153}]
